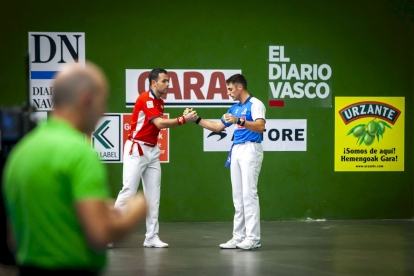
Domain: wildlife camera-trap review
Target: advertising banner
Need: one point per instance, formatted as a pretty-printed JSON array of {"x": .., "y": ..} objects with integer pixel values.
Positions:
[
  {"x": 163, "y": 137},
  {"x": 369, "y": 133},
  {"x": 279, "y": 135},
  {"x": 188, "y": 88},
  {"x": 111, "y": 133},
  {"x": 299, "y": 77},
  {"x": 106, "y": 138},
  {"x": 47, "y": 53}
]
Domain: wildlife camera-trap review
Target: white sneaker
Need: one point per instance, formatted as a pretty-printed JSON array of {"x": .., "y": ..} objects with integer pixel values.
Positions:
[
  {"x": 231, "y": 244},
  {"x": 155, "y": 242},
  {"x": 110, "y": 245},
  {"x": 249, "y": 244}
]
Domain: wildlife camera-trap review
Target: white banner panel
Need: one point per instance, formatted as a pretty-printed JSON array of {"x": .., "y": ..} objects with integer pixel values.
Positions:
[
  {"x": 38, "y": 117},
  {"x": 47, "y": 53},
  {"x": 279, "y": 135},
  {"x": 106, "y": 138},
  {"x": 188, "y": 88},
  {"x": 213, "y": 141}
]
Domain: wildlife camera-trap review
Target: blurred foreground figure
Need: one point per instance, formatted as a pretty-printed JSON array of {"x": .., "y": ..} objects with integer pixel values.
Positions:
[{"x": 55, "y": 187}]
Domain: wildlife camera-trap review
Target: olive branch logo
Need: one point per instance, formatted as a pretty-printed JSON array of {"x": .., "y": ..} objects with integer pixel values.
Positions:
[{"x": 366, "y": 132}]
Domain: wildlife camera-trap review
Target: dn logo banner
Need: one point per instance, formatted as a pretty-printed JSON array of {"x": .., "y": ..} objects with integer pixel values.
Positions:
[
  {"x": 106, "y": 139},
  {"x": 47, "y": 53}
]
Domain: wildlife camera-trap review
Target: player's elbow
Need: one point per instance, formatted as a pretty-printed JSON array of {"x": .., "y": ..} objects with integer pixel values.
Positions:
[
  {"x": 158, "y": 123},
  {"x": 217, "y": 129},
  {"x": 262, "y": 128},
  {"x": 98, "y": 243},
  {"x": 258, "y": 128},
  {"x": 99, "y": 238},
  {"x": 95, "y": 222}
]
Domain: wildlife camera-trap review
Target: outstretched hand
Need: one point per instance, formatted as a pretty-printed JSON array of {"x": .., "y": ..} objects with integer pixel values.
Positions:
[
  {"x": 191, "y": 116},
  {"x": 188, "y": 111}
]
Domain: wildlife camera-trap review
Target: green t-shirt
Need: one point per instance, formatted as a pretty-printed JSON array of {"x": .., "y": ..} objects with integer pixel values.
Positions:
[{"x": 47, "y": 173}]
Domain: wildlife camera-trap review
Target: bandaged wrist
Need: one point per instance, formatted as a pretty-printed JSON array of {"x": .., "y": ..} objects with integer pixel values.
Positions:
[{"x": 181, "y": 120}]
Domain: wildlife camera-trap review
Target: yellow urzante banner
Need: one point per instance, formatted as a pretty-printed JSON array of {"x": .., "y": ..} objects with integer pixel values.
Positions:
[{"x": 369, "y": 133}]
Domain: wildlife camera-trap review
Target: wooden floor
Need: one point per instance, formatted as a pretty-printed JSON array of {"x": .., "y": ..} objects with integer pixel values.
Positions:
[{"x": 384, "y": 247}]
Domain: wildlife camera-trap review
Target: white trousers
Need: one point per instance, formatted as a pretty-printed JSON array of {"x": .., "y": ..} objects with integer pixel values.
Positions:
[
  {"x": 146, "y": 167},
  {"x": 246, "y": 162}
]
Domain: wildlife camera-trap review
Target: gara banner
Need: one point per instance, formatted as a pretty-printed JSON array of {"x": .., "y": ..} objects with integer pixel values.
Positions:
[
  {"x": 47, "y": 53},
  {"x": 279, "y": 135},
  {"x": 369, "y": 133},
  {"x": 188, "y": 88}
]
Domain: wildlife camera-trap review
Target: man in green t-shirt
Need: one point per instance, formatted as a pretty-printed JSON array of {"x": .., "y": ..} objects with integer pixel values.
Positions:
[{"x": 55, "y": 187}]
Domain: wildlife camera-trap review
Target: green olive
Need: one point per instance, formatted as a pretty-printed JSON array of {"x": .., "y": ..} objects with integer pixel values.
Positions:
[
  {"x": 382, "y": 126},
  {"x": 369, "y": 139},
  {"x": 358, "y": 131},
  {"x": 372, "y": 128}
]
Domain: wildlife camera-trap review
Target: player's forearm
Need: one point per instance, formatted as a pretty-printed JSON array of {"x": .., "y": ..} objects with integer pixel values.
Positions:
[
  {"x": 103, "y": 224},
  {"x": 255, "y": 126},
  {"x": 161, "y": 123},
  {"x": 120, "y": 223},
  {"x": 210, "y": 125}
]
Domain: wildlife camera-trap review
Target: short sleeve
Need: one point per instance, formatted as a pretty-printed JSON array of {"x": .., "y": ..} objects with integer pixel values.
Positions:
[
  {"x": 149, "y": 108},
  {"x": 89, "y": 179},
  {"x": 258, "y": 110}
]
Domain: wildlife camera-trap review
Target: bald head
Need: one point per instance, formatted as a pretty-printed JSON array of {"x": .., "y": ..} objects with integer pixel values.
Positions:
[
  {"x": 73, "y": 80},
  {"x": 79, "y": 94}
]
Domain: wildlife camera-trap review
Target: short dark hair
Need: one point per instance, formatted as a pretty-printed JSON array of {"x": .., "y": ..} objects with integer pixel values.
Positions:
[
  {"x": 238, "y": 79},
  {"x": 153, "y": 75}
]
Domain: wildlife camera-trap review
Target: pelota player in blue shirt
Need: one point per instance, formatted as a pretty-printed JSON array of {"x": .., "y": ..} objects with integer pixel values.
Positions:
[{"x": 245, "y": 161}]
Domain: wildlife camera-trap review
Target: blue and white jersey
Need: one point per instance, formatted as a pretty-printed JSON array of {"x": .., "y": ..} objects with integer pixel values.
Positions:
[{"x": 251, "y": 110}]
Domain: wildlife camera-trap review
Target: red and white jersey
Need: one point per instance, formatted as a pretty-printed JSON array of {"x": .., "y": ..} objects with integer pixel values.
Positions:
[{"x": 147, "y": 107}]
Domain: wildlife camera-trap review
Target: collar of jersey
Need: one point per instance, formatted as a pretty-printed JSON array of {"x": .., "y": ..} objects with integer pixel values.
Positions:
[
  {"x": 54, "y": 122},
  {"x": 155, "y": 97},
  {"x": 246, "y": 101}
]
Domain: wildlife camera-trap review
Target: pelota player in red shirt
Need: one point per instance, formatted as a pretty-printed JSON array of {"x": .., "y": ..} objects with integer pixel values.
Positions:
[{"x": 141, "y": 153}]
